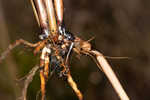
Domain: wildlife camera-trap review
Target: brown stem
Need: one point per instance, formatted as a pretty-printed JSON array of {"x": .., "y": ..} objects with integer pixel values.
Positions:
[
  {"x": 51, "y": 16},
  {"x": 106, "y": 68},
  {"x": 12, "y": 46},
  {"x": 59, "y": 10},
  {"x": 43, "y": 83},
  {"x": 41, "y": 12},
  {"x": 28, "y": 80},
  {"x": 35, "y": 12},
  {"x": 74, "y": 86},
  {"x": 84, "y": 47},
  {"x": 46, "y": 67}
]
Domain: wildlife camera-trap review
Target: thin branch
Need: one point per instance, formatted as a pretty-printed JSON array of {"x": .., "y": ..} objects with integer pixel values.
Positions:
[
  {"x": 106, "y": 68},
  {"x": 12, "y": 46},
  {"x": 28, "y": 80}
]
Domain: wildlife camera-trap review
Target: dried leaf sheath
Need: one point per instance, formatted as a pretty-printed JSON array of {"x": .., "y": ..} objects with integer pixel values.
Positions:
[
  {"x": 59, "y": 10},
  {"x": 51, "y": 16},
  {"x": 106, "y": 68},
  {"x": 42, "y": 14},
  {"x": 84, "y": 47}
]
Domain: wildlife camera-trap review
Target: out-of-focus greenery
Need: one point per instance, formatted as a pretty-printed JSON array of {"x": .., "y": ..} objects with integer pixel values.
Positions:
[{"x": 120, "y": 27}]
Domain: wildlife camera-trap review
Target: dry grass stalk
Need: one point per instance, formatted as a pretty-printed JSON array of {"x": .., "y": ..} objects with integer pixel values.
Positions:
[
  {"x": 51, "y": 16},
  {"x": 40, "y": 13},
  {"x": 28, "y": 79},
  {"x": 59, "y": 10},
  {"x": 106, "y": 68}
]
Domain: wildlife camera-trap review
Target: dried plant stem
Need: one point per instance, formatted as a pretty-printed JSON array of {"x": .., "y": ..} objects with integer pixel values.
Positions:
[
  {"x": 59, "y": 10},
  {"x": 106, "y": 68},
  {"x": 51, "y": 16},
  {"x": 12, "y": 46},
  {"x": 35, "y": 12},
  {"x": 28, "y": 80},
  {"x": 74, "y": 86},
  {"x": 43, "y": 83},
  {"x": 44, "y": 70},
  {"x": 40, "y": 13}
]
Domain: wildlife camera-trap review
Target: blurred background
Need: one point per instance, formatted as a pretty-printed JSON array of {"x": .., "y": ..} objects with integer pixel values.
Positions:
[{"x": 120, "y": 27}]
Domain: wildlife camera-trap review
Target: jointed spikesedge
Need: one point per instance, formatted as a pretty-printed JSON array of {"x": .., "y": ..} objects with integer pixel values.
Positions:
[{"x": 55, "y": 47}]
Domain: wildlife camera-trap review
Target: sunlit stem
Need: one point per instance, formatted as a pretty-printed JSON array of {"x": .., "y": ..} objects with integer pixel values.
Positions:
[
  {"x": 59, "y": 10},
  {"x": 106, "y": 68},
  {"x": 74, "y": 86},
  {"x": 41, "y": 13},
  {"x": 42, "y": 77},
  {"x": 35, "y": 12},
  {"x": 51, "y": 16}
]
